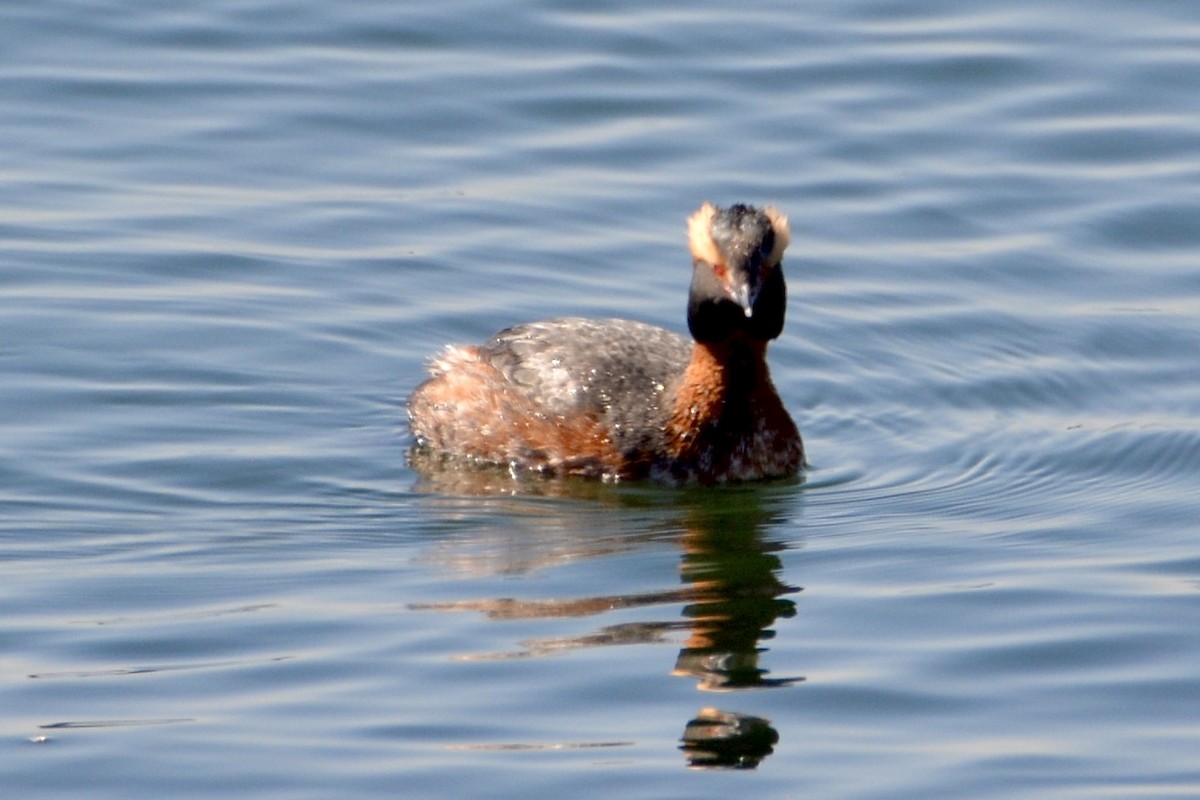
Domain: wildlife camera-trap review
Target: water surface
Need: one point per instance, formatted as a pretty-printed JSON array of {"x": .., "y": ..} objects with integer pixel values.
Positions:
[{"x": 231, "y": 235}]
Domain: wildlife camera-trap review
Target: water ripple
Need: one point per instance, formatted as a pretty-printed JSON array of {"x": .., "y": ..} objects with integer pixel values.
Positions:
[{"x": 233, "y": 231}]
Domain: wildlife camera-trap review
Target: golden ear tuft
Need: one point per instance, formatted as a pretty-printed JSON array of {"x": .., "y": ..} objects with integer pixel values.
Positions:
[
  {"x": 783, "y": 233},
  {"x": 700, "y": 239}
]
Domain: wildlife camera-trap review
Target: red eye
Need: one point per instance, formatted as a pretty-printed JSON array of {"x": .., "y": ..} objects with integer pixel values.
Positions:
[{"x": 719, "y": 270}]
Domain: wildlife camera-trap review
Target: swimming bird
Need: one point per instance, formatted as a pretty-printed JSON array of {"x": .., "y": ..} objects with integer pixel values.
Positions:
[{"x": 618, "y": 399}]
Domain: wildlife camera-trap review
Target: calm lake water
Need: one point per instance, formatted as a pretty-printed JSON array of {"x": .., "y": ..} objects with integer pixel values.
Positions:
[{"x": 232, "y": 232}]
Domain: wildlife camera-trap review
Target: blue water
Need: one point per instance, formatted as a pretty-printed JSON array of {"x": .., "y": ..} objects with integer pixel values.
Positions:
[{"x": 232, "y": 232}]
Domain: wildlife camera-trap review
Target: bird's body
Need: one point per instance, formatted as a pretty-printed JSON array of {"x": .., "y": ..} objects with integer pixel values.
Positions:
[{"x": 614, "y": 398}]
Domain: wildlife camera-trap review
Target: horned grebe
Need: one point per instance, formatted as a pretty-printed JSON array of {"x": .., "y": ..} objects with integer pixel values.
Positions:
[{"x": 612, "y": 398}]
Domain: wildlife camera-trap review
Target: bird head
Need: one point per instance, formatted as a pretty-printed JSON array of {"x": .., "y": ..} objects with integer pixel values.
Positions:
[{"x": 737, "y": 277}]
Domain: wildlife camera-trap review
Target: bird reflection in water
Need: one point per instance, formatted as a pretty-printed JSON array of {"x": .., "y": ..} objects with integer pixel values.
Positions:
[
  {"x": 725, "y": 740},
  {"x": 736, "y": 596},
  {"x": 731, "y": 596}
]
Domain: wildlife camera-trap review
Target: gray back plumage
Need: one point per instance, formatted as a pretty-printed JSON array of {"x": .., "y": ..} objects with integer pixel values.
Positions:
[{"x": 623, "y": 372}]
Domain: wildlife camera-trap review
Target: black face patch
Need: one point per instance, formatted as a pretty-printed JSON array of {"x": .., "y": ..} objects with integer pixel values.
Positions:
[{"x": 712, "y": 315}]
